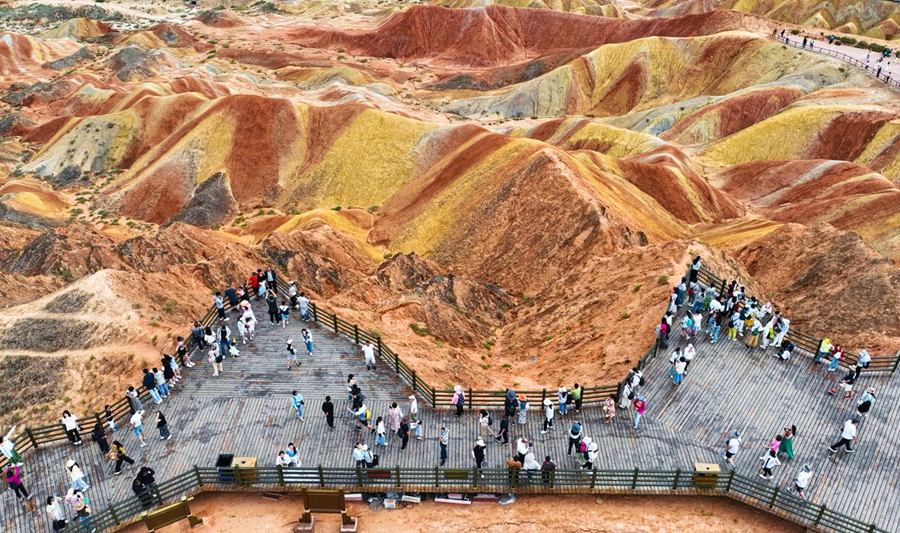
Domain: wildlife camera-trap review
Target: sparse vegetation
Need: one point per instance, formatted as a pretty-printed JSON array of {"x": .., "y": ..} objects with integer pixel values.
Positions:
[{"x": 663, "y": 279}]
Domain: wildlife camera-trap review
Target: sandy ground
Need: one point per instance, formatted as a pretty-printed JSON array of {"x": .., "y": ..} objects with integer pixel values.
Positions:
[{"x": 240, "y": 513}]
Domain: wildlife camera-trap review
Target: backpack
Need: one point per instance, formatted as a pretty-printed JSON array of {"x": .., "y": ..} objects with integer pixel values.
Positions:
[
  {"x": 642, "y": 382},
  {"x": 582, "y": 447},
  {"x": 368, "y": 414},
  {"x": 490, "y": 420},
  {"x": 630, "y": 393}
]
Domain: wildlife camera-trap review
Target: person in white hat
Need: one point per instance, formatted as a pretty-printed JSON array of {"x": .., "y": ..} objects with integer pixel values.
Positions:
[
  {"x": 76, "y": 475},
  {"x": 478, "y": 454},
  {"x": 291, "y": 353},
  {"x": 413, "y": 409},
  {"x": 563, "y": 396},
  {"x": 548, "y": 414}
]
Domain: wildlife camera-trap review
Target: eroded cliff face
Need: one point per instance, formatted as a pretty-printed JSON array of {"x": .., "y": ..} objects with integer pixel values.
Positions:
[{"x": 506, "y": 195}]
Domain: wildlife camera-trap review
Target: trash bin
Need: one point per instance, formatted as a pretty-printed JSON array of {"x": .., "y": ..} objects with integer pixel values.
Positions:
[{"x": 223, "y": 464}]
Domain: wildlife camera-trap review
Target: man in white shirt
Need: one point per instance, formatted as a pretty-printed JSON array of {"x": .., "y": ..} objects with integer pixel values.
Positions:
[
  {"x": 802, "y": 481},
  {"x": 848, "y": 434},
  {"x": 734, "y": 444},
  {"x": 369, "y": 352},
  {"x": 137, "y": 425}
]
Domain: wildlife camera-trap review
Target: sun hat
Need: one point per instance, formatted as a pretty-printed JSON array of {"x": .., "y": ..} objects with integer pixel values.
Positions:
[
  {"x": 547, "y": 401},
  {"x": 79, "y": 505},
  {"x": 70, "y": 463},
  {"x": 480, "y": 441}
]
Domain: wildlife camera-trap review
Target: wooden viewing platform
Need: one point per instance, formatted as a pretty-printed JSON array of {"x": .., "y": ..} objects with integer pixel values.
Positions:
[{"x": 245, "y": 412}]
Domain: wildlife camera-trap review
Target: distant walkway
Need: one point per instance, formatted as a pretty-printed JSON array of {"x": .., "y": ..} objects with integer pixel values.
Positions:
[
  {"x": 855, "y": 56},
  {"x": 245, "y": 412}
]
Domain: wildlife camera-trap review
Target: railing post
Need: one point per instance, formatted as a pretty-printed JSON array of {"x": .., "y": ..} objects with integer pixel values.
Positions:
[
  {"x": 872, "y": 528},
  {"x": 396, "y": 358},
  {"x": 437, "y": 477},
  {"x": 359, "y": 477},
  {"x": 334, "y": 321},
  {"x": 819, "y": 515},
  {"x": 433, "y": 398},
  {"x": 397, "y": 470},
  {"x": 34, "y": 442},
  {"x": 774, "y": 498},
  {"x": 321, "y": 477},
  {"x": 634, "y": 479},
  {"x": 112, "y": 512},
  {"x": 470, "y": 398},
  {"x": 379, "y": 346},
  {"x": 677, "y": 478},
  {"x": 315, "y": 311},
  {"x": 237, "y": 476},
  {"x": 197, "y": 475},
  {"x": 281, "y": 475},
  {"x": 593, "y": 478},
  {"x": 356, "y": 333},
  {"x": 894, "y": 362},
  {"x": 730, "y": 480},
  {"x": 543, "y": 396},
  {"x": 415, "y": 387}
]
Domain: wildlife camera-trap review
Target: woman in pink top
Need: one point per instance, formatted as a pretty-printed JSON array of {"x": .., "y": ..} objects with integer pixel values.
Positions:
[
  {"x": 13, "y": 477},
  {"x": 639, "y": 405}
]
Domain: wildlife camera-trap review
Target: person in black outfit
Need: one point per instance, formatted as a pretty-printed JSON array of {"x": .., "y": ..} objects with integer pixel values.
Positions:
[
  {"x": 145, "y": 476},
  {"x": 328, "y": 409},
  {"x": 478, "y": 453},
  {"x": 140, "y": 490},
  {"x": 232, "y": 296},
  {"x": 504, "y": 430},
  {"x": 403, "y": 432},
  {"x": 100, "y": 437}
]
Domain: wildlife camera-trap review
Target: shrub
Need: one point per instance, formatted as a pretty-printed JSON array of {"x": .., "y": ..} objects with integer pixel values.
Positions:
[
  {"x": 638, "y": 287},
  {"x": 663, "y": 279},
  {"x": 795, "y": 32},
  {"x": 171, "y": 305}
]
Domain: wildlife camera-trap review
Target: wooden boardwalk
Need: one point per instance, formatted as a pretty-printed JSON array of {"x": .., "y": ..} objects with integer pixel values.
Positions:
[{"x": 245, "y": 412}]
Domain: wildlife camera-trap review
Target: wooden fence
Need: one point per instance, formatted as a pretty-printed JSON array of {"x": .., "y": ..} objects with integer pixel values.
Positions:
[{"x": 438, "y": 480}]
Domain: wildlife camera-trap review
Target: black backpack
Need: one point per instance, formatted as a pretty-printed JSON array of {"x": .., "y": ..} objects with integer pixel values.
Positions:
[
  {"x": 490, "y": 420},
  {"x": 642, "y": 381}
]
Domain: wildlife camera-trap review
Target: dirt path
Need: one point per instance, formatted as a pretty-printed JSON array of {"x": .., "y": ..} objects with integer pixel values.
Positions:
[{"x": 239, "y": 513}]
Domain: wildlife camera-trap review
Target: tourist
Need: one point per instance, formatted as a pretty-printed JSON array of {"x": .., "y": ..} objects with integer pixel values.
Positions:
[
  {"x": 680, "y": 291},
  {"x": 253, "y": 281},
  {"x": 486, "y": 421},
  {"x": 697, "y": 320},
  {"x": 459, "y": 398},
  {"x": 662, "y": 333},
  {"x": 134, "y": 400},
  {"x": 848, "y": 435},
  {"x": 272, "y": 307},
  {"x": 678, "y": 370},
  {"x": 162, "y": 426},
  {"x": 774, "y": 444},
  {"x": 837, "y": 354},
  {"x": 781, "y": 329},
  {"x": 119, "y": 452},
  {"x": 358, "y": 456},
  {"x": 732, "y": 327},
  {"x": 510, "y": 404},
  {"x": 137, "y": 425},
  {"x": 581, "y": 451},
  {"x": 328, "y": 409},
  {"x": 262, "y": 285},
  {"x": 609, "y": 409},
  {"x": 56, "y": 513},
  {"x": 395, "y": 415},
  {"x": 232, "y": 296},
  {"x": 478, "y": 453},
  {"x": 753, "y": 338},
  {"x": 523, "y": 445},
  {"x": 766, "y": 333},
  {"x": 307, "y": 340},
  {"x": 368, "y": 352},
  {"x": 303, "y": 304},
  {"x": 380, "y": 432},
  {"x": 293, "y": 455},
  {"x": 548, "y": 415},
  {"x": 220, "y": 306},
  {"x": 824, "y": 349},
  {"x": 282, "y": 460},
  {"x": 181, "y": 352},
  {"x": 547, "y": 468},
  {"x": 99, "y": 436},
  {"x": 8, "y": 447},
  {"x": 530, "y": 464},
  {"x": 149, "y": 383},
  {"x": 562, "y": 395},
  {"x": 146, "y": 475},
  {"x": 846, "y": 384},
  {"x": 444, "y": 439},
  {"x": 503, "y": 434},
  {"x": 216, "y": 358},
  {"x": 575, "y": 435},
  {"x": 673, "y": 299},
  {"x": 628, "y": 394},
  {"x": 297, "y": 404},
  {"x": 591, "y": 455},
  {"x": 714, "y": 325},
  {"x": 161, "y": 386},
  {"x": 687, "y": 326},
  {"x": 83, "y": 512},
  {"x": 271, "y": 277},
  {"x": 70, "y": 422},
  {"x": 403, "y": 432},
  {"x": 224, "y": 338},
  {"x": 284, "y": 313},
  {"x": 110, "y": 418},
  {"x": 695, "y": 268},
  {"x": 577, "y": 395},
  {"x": 865, "y": 402},
  {"x": 292, "y": 293},
  {"x": 242, "y": 330},
  {"x": 76, "y": 475},
  {"x": 522, "y": 412},
  {"x": 198, "y": 334},
  {"x": 786, "y": 446},
  {"x": 862, "y": 361},
  {"x": 413, "y": 409},
  {"x": 770, "y": 461},
  {"x": 801, "y": 481},
  {"x": 14, "y": 479},
  {"x": 688, "y": 354},
  {"x": 731, "y": 449},
  {"x": 362, "y": 413},
  {"x": 291, "y": 354},
  {"x": 640, "y": 404},
  {"x": 143, "y": 495}
]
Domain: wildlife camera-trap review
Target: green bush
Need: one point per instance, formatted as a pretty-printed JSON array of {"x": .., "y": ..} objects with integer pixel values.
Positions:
[{"x": 795, "y": 32}]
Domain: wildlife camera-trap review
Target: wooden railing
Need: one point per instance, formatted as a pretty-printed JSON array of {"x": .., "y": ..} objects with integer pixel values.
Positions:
[
  {"x": 809, "y": 343},
  {"x": 440, "y": 480}
]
